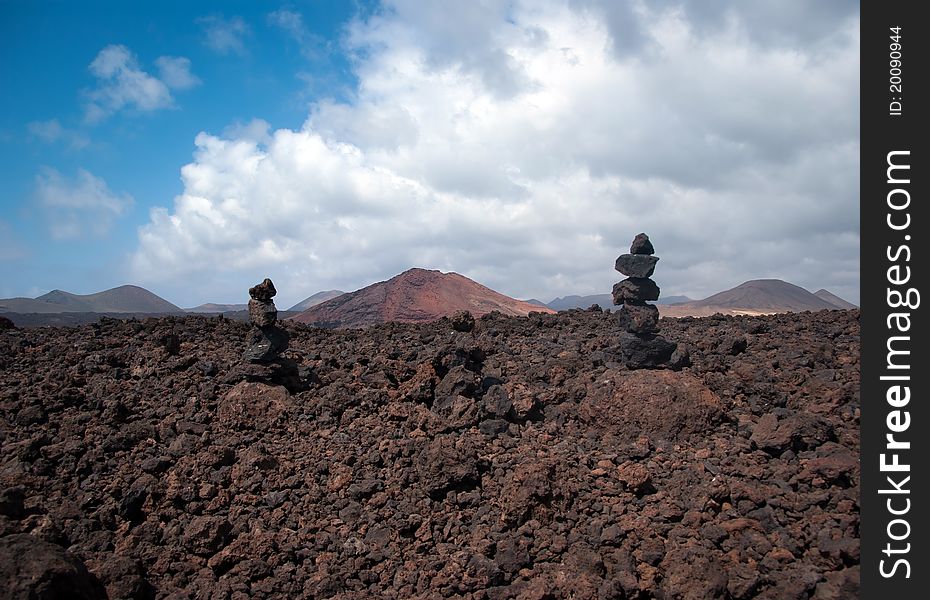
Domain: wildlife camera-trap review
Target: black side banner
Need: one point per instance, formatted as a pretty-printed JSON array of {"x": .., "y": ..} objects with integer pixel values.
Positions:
[{"x": 895, "y": 442}]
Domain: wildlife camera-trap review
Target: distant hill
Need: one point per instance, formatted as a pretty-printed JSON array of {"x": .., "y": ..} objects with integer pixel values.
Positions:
[
  {"x": 570, "y": 302},
  {"x": 759, "y": 296},
  {"x": 122, "y": 299},
  {"x": 210, "y": 307},
  {"x": 834, "y": 299},
  {"x": 317, "y": 298},
  {"x": 605, "y": 301},
  {"x": 414, "y": 296}
]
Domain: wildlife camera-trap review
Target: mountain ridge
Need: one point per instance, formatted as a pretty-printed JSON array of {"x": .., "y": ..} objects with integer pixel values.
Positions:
[
  {"x": 414, "y": 296},
  {"x": 121, "y": 299},
  {"x": 317, "y": 298}
]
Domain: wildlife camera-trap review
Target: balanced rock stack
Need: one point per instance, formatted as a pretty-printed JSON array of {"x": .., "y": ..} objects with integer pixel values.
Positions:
[
  {"x": 267, "y": 341},
  {"x": 640, "y": 345},
  {"x": 262, "y": 361}
]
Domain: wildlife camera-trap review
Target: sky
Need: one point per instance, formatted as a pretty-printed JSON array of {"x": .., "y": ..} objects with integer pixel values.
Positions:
[{"x": 194, "y": 148}]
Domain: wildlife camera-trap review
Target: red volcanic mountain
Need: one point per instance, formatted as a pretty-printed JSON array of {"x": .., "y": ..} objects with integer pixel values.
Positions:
[{"x": 414, "y": 296}]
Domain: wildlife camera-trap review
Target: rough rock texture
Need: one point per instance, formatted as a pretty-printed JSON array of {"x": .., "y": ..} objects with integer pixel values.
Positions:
[
  {"x": 635, "y": 290},
  {"x": 643, "y": 350},
  {"x": 636, "y": 265},
  {"x": 639, "y": 318},
  {"x": 463, "y": 321},
  {"x": 265, "y": 344},
  {"x": 262, "y": 313},
  {"x": 263, "y": 292},
  {"x": 33, "y": 569},
  {"x": 522, "y": 459},
  {"x": 641, "y": 245}
]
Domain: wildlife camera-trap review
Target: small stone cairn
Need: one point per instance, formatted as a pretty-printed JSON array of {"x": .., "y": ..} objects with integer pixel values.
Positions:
[
  {"x": 640, "y": 345},
  {"x": 267, "y": 341},
  {"x": 262, "y": 361}
]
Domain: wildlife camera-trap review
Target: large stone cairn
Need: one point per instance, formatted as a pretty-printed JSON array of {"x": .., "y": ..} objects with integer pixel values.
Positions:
[
  {"x": 640, "y": 345},
  {"x": 266, "y": 341}
]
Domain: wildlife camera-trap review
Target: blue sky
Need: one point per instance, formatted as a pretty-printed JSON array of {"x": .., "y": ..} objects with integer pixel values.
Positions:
[
  {"x": 193, "y": 147},
  {"x": 251, "y": 67}
]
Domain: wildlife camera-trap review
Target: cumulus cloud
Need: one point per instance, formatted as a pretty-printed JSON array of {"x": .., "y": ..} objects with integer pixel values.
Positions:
[
  {"x": 52, "y": 132},
  {"x": 224, "y": 36},
  {"x": 523, "y": 145},
  {"x": 80, "y": 206},
  {"x": 175, "y": 72},
  {"x": 122, "y": 84}
]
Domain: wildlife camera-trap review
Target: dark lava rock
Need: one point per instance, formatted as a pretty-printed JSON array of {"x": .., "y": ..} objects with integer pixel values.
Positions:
[
  {"x": 733, "y": 345},
  {"x": 635, "y": 290},
  {"x": 644, "y": 352},
  {"x": 6, "y": 324},
  {"x": 444, "y": 466},
  {"x": 11, "y": 502},
  {"x": 124, "y": 578},
  {"x": 252, "y": 405},
  {"x": 795, "y": 432},
  {"x": 641, "y": 245},
  {"x": 264, "y": 291},
  {"x": 639, "y": 318},
  {"x": 548, "y": 469},
  {"x": 206, "y": 535},
  {"x": 632, "y": 406},
  {"x": 266, "y": 343},
  {"x": 497, "y": 402},
  {"x": 680, "y": 358},
  {"x": 171, "y": 343},
  {"x": 33, "y": 569},
  {"x": 636, "y": 265},
  {"x": 262, "y": 313},
  {"x": 463, "y": 321}
]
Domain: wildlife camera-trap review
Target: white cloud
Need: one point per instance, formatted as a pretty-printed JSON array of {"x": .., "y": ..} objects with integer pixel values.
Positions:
[
  {"x": 175, "y": 72},
  {"x": 78, "y": 207},
  {"x": 515, "y": 143},
  {"x": 51, "y": 132},
  {"x": 123, "y": 84},
  {"x": 225, "y": 36},
  {"x": 292, "y": 23}
]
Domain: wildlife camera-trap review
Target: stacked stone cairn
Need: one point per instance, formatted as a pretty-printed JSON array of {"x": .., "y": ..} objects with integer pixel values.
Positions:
[
  {"x": 640, "y": 345},
  {"x": 262, "y": 361},
  {"x": 267, "y": 341}
]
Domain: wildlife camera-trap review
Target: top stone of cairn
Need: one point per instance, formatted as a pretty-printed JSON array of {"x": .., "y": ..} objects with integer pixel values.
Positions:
[
  {"x": 264, "y": 291},
  {"x": 641, "y": 245}
]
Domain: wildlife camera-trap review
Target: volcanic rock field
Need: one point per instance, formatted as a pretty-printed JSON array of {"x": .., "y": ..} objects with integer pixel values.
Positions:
[{"x": 511, "y": 457}]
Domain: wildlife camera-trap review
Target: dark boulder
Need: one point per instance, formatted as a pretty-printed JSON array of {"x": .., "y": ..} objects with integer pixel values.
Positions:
[
  {"x": 641, "y": 245},
  {"x": 262, "y": 313},
  {"x": 463, "y": 321},
  {"x": 266, "y": 343},
  {"x": 636, "y": 265},
  {"x": 263, "y": 291},
  {"x": 639, "y": 318},
  {"x": 644, "y": 352},
  {"x": 635, "y": 290},
  {"x": 33, "y": 569}
]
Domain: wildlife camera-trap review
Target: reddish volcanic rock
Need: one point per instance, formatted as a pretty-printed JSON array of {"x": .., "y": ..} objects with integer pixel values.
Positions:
[
  {"x": 522, "y": 459},
  {"x": 414, "y": 296}
]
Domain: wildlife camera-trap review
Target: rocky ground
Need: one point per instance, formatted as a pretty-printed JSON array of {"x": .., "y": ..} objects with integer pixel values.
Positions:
[{"x": 515, "y": 460}]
